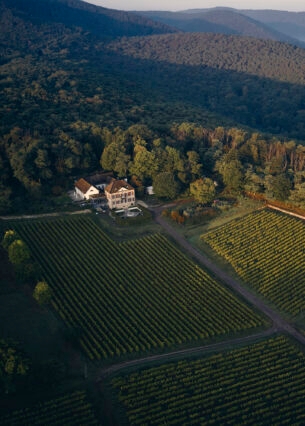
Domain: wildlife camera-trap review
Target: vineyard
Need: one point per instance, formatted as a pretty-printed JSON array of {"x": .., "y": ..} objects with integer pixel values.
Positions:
[
  {"x": 262, "y": 384},
  {"x": 132, "y": 297},
  {"x": 266, "y": 249},
  {"x": 69, "y": 410}
]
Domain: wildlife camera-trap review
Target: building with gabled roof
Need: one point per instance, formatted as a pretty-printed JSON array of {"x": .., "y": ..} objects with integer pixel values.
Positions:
[
  {"x": 120, "y": 194},
  {"x": 100, "y": 179},
  {"x": 84, "y": 190}
]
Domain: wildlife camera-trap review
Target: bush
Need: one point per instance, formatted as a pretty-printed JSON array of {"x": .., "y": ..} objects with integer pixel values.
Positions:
[
  {"x": 42, "y": 293},
  {"x": 9, "y": 237},
  {"x": 18, "y": 252}
]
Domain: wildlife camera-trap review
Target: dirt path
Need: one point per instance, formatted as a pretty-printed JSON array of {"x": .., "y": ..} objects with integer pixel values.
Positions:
[
  {"x": 270, "y": 206},
  {"x": 37, "y": 216},
  {"x": 279, "y": 323},
  {"x": 226, "y": 344}
]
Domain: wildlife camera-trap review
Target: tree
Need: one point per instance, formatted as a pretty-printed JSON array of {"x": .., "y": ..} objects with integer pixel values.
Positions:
[
  {"x": 173, "y": 163},
  {"x": 42, "y": 293},
  {"x": 144, "y": 164},
  {"x": 13, "y": 367},
  {"x": 18, "y": 252},
  {"x": 165, "y": 185},
  {"x": 9, "y": 237},
  {"x": 253, "y": 182},
  {"x": 193, "y": 164},
  {"x": 297, "y": 196},
  {"x": 232, "y": 174},
  {"x": 277, "y": 187},
  {"x": 121, "y": 164},
  {"x": 203, "y": 190},
  {"x": 110, "y": 154},
  {"x": 43, "y": 163},
  {"x": 140, "y": 134}
]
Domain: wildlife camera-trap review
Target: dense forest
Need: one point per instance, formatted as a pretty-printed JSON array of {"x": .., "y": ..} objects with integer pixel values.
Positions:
[
  {"x": 262, "y": 58},
  {"x": 188, "y": 105}
]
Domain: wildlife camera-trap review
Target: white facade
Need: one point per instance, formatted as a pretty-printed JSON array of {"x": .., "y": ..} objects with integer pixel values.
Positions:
[
  {"x": 84, "y": 191},
  {"x": 120, "y": 194}
]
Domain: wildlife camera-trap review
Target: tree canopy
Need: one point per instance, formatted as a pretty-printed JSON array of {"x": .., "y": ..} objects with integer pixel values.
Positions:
[
  {"x": 9, "y": 237},
  {"x": 42, "y": 293},
  {"x": 72, "y": 99},
  {"x": 18, "y": 252},
  {"x": 203, "y": 190},
  {"x": 165, "y": 185}
]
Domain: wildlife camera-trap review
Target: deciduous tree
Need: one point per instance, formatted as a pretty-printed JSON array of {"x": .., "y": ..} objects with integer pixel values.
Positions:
[
  {"x": 42, "y": 293},
  {"x": 165, "y": 185},
  {"x": 232, "y": 174},
  {"x": 18, "y": 252},
  {"x": 203, "y": 190},
  {"x": 9, "y": 237}
]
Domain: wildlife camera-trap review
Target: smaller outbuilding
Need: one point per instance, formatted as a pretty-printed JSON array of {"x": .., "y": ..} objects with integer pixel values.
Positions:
[
  {"x": 149, "y": 190},
  {"x": 85, "y": 190}
]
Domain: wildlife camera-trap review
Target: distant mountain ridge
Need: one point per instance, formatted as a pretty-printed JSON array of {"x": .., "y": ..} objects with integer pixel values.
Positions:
[
  {"x": 76, "y": 13},
  {"x": 256, "y": 24},
  {"x": 290, "y": 23},
  {"x": 64, "y": 60}
]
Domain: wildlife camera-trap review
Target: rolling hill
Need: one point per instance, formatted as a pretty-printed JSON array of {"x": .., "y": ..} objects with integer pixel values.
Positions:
[
  {"x": 253, "y": 82},
  {"x": 100, "y": 21},
  {"x": 70, "y": 73},
  {"x": 54, "y": 71},
  {"x": 262, "y": 58},
  {"x": 290, "y": 23},
  {"x": 223, "y": 21},
  {"x": 83, "y": 86}
]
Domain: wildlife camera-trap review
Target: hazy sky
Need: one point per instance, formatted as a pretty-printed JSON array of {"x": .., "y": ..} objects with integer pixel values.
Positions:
[{"x": 293, "y": 5}]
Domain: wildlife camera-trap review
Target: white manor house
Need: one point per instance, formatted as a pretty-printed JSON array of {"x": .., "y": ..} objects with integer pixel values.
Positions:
[{"x": 117, "y": 192}]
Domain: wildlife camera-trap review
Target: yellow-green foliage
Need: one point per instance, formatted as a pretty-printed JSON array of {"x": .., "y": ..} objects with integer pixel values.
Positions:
[
  {"x": 42, "y": 293},
  {"x": 9, "y": 237},
  {"x": 18, "y": 252}
]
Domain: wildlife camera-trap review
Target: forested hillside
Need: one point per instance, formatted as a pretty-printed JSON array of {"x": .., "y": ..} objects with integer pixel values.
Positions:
[
  {"x": 76, "y": 13},
  {"x": 262, "y": 58},
  {"x": 257, "y": 83},
  {"x": 70, "y": 88}
]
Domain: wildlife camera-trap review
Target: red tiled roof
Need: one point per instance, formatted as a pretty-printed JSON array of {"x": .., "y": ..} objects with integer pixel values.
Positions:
[
  {"x": 83, "y": 185},
  {"x": 116, "y": 185}
]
